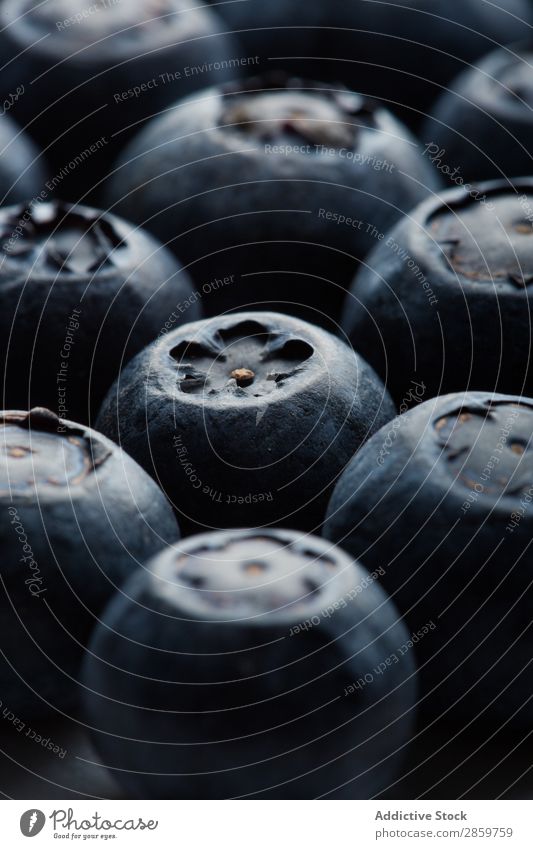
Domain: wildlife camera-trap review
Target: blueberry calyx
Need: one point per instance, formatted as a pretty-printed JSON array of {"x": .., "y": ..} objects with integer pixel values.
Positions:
[
  {"x": 482, "y": 247},
  {"x": 61, "y": 237},
  {"x": 27, "y": 435},
  {"x": 262, "y": 574},
  {"x": 215, "y": 360},
  {"x": 276, "y": 106},
  {"x": 471, "y": 434}
]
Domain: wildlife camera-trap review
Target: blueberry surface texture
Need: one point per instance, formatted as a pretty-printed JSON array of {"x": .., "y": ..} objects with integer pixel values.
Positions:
[
  {"x": 441, "y": 499},
  {"x": 229, "y": 667},
  {"x": 81, "y": 292},
  {"x": 277, "y": 185},
  {"x": 246, "y": 419},
  {"x": 482, "y": 127},
  {"x": 445, "y": 302},
  {"x": 92, "y": 73},
  {"x": 77, "y": 517},
  {"x": 403, "y": 53},
  {"x": 22, "y": 170}
]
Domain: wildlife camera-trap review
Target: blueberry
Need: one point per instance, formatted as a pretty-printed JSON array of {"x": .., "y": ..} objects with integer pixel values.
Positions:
[
  {"x": 277, "y": 185},
  {"x": 81, "y": 292},
  {"x": 402, "y": 52},
  {"x": 482, "y": 127},
  {"x": 246, "y": 664},
  {"x": 245, "y": 419},
  {"x": 442, "y": 500},
  {"x": 445, "y": 300},
  {"x": 91, "y": 73},
  {"x": 77, "y": 517},
  {"x": 22, "y": 174}
]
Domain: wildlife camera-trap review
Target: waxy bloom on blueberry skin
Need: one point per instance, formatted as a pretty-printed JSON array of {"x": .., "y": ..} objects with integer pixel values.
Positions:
[
  {"x": 74, "y": 56},
  {"x": 447, "y": 512},
  {"x": 247, "y": 179},
  {"x": 77, "y": 516},
  {"x": 246, "y": 419},
  {"x": 204, "y": 681},
  {"x": 81, "y": 292},
  {"x": 446, "y": 297}
]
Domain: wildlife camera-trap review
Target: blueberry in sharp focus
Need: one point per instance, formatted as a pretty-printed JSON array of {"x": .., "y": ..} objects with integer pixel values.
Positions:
[
  {"x": 402, "y": 52},
  {"x": 279, "y": 186},
  {"x": 445, "y": 300},
  {"x": 77, "y": 516},
  {"x": 482, "y": 127},
  {"x": 442, "y": 500},
  {"x": 248, "y": 663},
  {"x": 91, "y": 73},
  {"x": 22, "y": 173},
  {"x": 245, "y": 419},
  {"x": 81, "y": 292}
]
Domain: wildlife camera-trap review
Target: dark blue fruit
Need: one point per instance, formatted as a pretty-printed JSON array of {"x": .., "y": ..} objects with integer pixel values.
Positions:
[
  {"x": 22, "y": 174},
  {"x": 482, "y": 127},
  {"x": 246, "y": 419},
  {"x": 81, "y": 292},
  {"x": 251, "y": 664},
  {"x": 278, "y": 185},
  {"x": 401, "y": 52},
  {"x": 442, "y": 499},
  {"x": 92, "y": 72},
  {"x": 77, "y": 517},
  {"x": 445, "y": 300}
]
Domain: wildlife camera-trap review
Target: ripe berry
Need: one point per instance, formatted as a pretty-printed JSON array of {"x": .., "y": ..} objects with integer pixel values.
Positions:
[
  {"x": 251, "y": 664},
  {"x": 77, "y": 518},
  {"x": 246, "y": 419},
  {"x": 81, "y": 292},
  {"x": 445, "y": 300},
  {"x": 442, "y": 499},
  {"x": 279, "y": 185},
  {"x": 92, "y": 73}
]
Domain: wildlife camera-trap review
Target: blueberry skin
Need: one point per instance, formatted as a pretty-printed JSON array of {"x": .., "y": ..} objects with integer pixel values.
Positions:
[
  {"x": 77, "y": 517},
  {"x": 483, "y": 125},
  {"x": 230, "y": 452},
  {"x": 81, "y": 292},
  {"x": 445, "y": 301},
  {"x": 224, "y": 673},
  {"x": 22, "y": 173},
  {"x": 93, "y": 82},
  {"x": 402, "y": 53},
  {"x": 249, "y": 183},
  {"x": 440, "y": 499}
]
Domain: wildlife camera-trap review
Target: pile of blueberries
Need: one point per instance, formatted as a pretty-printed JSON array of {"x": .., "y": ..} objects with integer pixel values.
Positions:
[{"x": 266, "y": 322}]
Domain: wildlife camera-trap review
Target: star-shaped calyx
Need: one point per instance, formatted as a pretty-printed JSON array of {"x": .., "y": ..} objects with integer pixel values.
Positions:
[
  {"x": 485, "y": 243},
  {"x": 246, "y": 359},
  {"x": 52, "y": 237},
  {"x": 488, "y": 447},
  {"x": 281, "y": 110}
]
